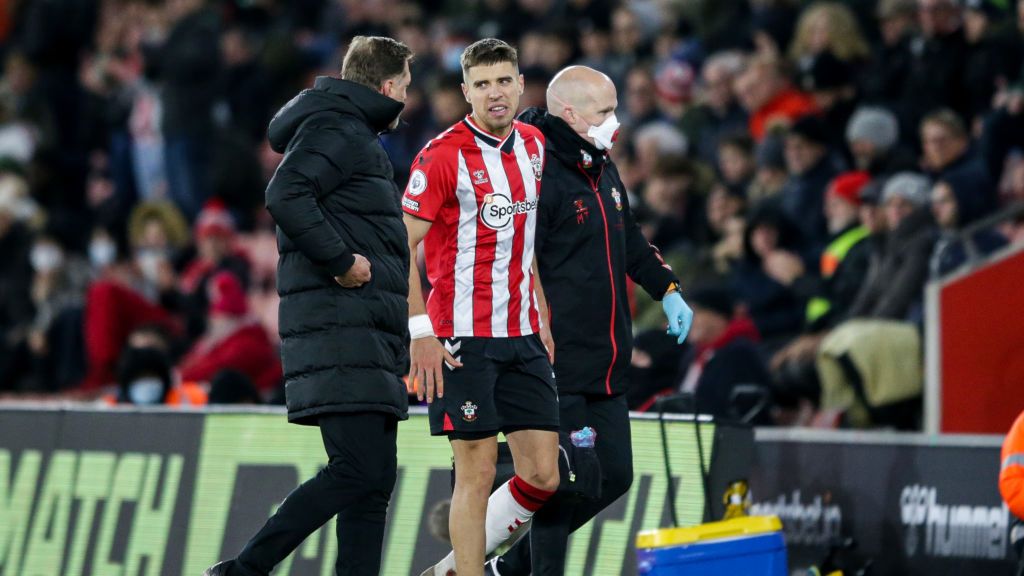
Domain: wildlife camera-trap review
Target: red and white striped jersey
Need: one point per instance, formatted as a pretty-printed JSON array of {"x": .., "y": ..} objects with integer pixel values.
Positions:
[{"x": 481, "y": 194}]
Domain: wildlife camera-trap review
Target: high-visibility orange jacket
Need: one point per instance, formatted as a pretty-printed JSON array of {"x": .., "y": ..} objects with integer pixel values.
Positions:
[{"x": 1011, "y": 476}]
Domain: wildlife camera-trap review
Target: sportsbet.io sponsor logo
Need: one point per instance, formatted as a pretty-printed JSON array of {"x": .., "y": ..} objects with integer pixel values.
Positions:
[
  {"x": 813, "y": 523},
  {"x": 499, "y": 210},
  {"x": 950, "y": 530}
]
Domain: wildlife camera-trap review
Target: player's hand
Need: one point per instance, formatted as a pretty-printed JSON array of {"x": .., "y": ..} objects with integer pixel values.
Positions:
[
  {"x": 357, "y": 275},
  {"x": 427, "y": 356},
  {"x": 549, "y": 342}
]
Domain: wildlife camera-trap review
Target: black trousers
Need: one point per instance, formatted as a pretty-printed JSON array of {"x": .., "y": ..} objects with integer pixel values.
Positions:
[
  {"x": 543, "y": 553},
  {"x": 355, "y": 485}
]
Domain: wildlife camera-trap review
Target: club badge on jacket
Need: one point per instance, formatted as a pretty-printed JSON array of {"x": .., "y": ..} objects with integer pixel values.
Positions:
[
  {"x": 582, "y": 212},
  {"x": 618, "y": 199}
]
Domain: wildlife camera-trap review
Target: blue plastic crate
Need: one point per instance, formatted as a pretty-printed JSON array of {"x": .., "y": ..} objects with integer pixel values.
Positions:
[{"x": 743, "y": 555}]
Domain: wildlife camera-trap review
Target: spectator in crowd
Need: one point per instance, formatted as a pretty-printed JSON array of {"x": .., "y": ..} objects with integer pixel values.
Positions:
[
  {"x": 641, "y": 107},
  {"x": 447, "y": 103},
  {"x": 831, "y": 291},
  {"x": 188, "y": 64},
  {"x": 158, "y": 234},
  {"x": 883, "y": 79},
  {"x": 736, "y": 162},
  {"x": 763, "y": 279},
  {"x": 845, "y": 260},
  {"x": 144, "y": 376},
  {"x": 992, "y": 58},
  {"x": 670, "y": 194},
  {"x": 895, "y": 289},
  {"x": 872, "y": 135},
  {"x": 233, "y": 387},
  {"x": 870, "y": 366},
  {"x": 830, "y": 82},
  {"x": 938, "y": 57},
  {"x": 724, "y": 214},
  {"x": 723, "y": 353},
  {"x": 651, "y": 142},
  {"x": 674, "y": 84},
  {"x": 946, "y": 152},
  {"x": 771, "y": 174},
  {"x": 15, "y": 280},
  {"x": 246, "y": 82},
  {"x": 811, "y": 168},
  {"x": 828, "y": 27},
  {"x": 718, "y": 114},
  {"x": 772, "y": 24},
  {"x": 216, "y": 251},
  {"x": 955, "y": 206},
  {"x": 58, "y": 295},
  {"x": 233, "y": 340},
  {"x": 765, "y": 93}
]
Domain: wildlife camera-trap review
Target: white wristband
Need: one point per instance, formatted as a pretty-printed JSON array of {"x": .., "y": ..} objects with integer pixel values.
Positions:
[{"x": 420, "y": 327}]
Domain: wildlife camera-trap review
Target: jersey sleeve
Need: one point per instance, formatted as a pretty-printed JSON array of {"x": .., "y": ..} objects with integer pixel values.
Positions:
[{"x": 432, "y": 181}]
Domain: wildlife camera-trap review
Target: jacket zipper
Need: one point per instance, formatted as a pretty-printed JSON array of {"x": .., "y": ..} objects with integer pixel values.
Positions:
[{"x": 595, "y": 186}]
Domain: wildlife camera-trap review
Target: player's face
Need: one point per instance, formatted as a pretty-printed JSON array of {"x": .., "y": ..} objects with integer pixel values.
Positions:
[{"x": 493, "y": 91}]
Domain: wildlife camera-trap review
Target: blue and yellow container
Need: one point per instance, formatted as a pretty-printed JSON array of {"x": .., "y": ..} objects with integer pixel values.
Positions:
[{"x": 748, "y": 546}]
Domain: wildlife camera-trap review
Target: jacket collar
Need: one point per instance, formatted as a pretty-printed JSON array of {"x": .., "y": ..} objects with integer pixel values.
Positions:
[
  {"x": 378, "y": 110},
  {"x": 565, "y": 144}
]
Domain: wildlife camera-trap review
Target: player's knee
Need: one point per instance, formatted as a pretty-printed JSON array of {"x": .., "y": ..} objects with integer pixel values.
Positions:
[
  {"x": 543, "y": 477},
  {"x": 475, "y": 475}
]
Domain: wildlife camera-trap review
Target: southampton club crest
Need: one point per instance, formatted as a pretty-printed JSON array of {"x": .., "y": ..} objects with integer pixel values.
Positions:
[
  {"x": 618, "y": 199},
  {"x": 538, "y": 166},
  {"x": 469, "y": 411}
]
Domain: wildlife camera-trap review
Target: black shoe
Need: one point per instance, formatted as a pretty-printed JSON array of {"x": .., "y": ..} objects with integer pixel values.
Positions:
[
  {"x": 491, "y": 567},
  {"x": 219, "y": 569}
]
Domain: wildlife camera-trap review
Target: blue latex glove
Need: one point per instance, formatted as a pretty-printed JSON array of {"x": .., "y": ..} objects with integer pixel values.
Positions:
[{"x": 679, "y": 315}]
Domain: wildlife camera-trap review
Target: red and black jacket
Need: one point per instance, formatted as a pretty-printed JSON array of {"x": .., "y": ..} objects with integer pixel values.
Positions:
[{"x": 587, "y": 242}]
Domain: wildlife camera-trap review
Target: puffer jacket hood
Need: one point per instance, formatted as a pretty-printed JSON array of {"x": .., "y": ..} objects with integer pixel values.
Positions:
[{"x": 332, "y": 95}]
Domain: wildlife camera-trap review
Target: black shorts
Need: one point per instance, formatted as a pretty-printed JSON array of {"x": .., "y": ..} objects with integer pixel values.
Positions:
[{"x": 504, "y": 385}]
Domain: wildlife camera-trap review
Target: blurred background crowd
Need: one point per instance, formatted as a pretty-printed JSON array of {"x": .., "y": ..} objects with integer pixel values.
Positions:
[{"x": 806, "y": 167}]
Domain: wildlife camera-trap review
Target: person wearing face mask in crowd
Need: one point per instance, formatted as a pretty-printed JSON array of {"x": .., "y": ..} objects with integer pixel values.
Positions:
[
  {"x": 103, "y": 252},
  {"x": 143, "y": 376},
  {"x": 58, "y": 294},
  {"x": 584, "y": 223}
]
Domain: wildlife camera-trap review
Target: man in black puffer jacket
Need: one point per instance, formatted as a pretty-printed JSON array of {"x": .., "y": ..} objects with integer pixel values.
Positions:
[
  {"x": 343, "y": 281},
  {"x": 587, "y": 245}
]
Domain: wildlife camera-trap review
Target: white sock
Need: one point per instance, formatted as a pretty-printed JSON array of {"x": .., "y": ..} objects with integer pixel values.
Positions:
[{"x": 504, "y": 516}]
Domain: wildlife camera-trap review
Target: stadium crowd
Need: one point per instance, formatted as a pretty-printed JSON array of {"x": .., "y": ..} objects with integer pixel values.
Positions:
[{"x": 806, "y": 168}]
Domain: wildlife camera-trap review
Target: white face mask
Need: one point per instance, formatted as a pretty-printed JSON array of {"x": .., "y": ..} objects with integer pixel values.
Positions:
[
  {"x": 149, "y": 261},
  {"x": 46, "y": 258},
  {"x": 146, "y": 391},
  {"x": 102, "y": 253},
  {"x": 605, "y": 133}
]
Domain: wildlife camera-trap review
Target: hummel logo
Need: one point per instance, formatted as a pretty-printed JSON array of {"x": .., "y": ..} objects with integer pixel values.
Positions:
[{"x": 453, "y": 345}]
